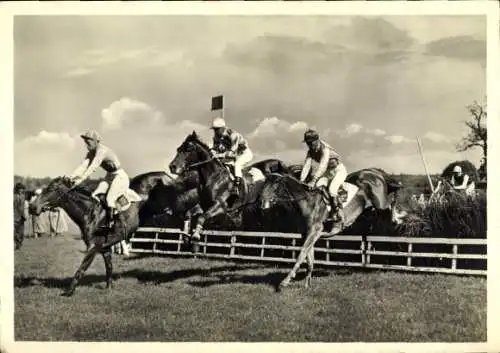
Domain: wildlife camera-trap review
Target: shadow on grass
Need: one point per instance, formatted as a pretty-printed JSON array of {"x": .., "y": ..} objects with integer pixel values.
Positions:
[{"x": 155, "y": 277}]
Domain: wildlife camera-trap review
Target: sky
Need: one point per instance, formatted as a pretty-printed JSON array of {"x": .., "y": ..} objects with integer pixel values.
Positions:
[{"x": 369, "y": 85}]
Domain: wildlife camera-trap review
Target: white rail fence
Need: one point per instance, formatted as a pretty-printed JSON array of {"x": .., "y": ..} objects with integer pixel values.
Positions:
[{"x": 442, "y": 255}]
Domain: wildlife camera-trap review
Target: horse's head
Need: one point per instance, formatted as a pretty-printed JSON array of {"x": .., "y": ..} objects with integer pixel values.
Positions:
[
  {"x": 190, "y": 152},
  {"x": 280, "y": 189},
  {"x": 51, "y": 196}
]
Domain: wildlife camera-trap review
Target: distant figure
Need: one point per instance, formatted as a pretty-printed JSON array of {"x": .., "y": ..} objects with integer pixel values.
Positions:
[
  {"x": 38, "y": 224},
  {"x": 20, "y": 214},
  {"x": 461, "y": 181},
  {"x": 57, "y": 222}
]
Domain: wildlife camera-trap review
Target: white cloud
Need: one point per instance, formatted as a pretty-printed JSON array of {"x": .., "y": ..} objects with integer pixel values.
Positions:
[
  {"x": 46, "y": 154},
  {"x": 274, "y": 127},
  {"x": 397, "y": 139},
  {"x": 376, "y": 132},
  {"x": 129, "y": 110},
  {"x": 79, "y": 71},
  {"x": 353, "y": 128},
  {"x": 436, "y": 137},
  {"x": 53, "y": 139},
  {"x": 368, "y": 140}
]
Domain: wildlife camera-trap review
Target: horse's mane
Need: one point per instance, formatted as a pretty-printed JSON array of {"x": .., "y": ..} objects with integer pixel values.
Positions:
[
  {"x": 293, "y": 185},
  {"x": 196, "y": 139}
]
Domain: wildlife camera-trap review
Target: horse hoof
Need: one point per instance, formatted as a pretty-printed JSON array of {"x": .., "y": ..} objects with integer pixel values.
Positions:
[{"x": 68, "y": 293}]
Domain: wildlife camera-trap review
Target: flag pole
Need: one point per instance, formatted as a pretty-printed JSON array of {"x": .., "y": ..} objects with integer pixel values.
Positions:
[{"x": 425, "y": 164}]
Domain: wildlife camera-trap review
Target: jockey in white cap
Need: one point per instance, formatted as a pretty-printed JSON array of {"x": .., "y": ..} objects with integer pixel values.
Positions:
[
  {"x": 461, "y": 181},
  {"x": 330, "y": 169},
  {"x": 102, "y": 156},
  {"x": 228, "y": 143}
]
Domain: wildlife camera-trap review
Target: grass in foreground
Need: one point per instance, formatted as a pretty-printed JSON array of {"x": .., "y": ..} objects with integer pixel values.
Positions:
[{"x": 178, "y": 299}]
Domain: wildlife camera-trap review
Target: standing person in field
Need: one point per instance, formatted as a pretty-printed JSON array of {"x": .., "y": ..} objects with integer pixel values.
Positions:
[
  {"x": 228, "y": 143},
  {"x": 330, "y": 170},
  {"x": 102, "y": 156},
  {"x": 20, "y": 214},
  {"x": 462, "y": 181}
]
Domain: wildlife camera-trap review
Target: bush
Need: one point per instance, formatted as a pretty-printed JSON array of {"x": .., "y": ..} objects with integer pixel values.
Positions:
[{"x": 458, "y": 216}]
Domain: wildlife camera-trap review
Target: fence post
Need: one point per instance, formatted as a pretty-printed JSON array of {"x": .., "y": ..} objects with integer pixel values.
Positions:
[
  {"x": 263, "y": 243},
  {"x": 454, "y": 260},
  {"x": 410, "y": 250},
  {"x": 363, "y": 251},
  {"x": 205, "y": 244},
  {"x": 156, "y": 242},
  {"x": 328, "y": 253},
  {"x": 233, "y": 240},
  {"x": 368, "y": 257},
  {"x": 294, "y": 243}
]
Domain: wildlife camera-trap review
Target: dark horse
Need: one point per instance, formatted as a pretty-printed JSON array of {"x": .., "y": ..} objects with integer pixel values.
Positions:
[
  {"x": 215, "y": 185},
  {"x": 365, "y": 188},
  {"x": 89, "y": 216}
]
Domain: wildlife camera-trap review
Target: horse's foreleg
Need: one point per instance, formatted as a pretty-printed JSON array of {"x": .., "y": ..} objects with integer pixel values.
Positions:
[
  {"x": 312, "y": 236},
  {"x": 86, "y": 262},
  {"x": 213, "y": 211},
  {"x": 107, "y": 255},
  {"x": 310, "y": 267}
]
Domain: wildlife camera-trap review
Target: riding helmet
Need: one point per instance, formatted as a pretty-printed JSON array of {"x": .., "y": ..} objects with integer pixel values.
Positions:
[
  {"x": 310, "y": 136},
  {"x": 91, "y": 135}
]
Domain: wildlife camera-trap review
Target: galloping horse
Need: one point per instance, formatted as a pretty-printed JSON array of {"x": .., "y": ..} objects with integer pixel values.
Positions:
[
  {"x": 365, "y": 188},
  {"x": 89, "y": 216},
  {"x": 216, "y": 182}
]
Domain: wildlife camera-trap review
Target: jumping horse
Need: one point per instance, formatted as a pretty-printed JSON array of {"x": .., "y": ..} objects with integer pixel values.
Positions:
[
  {"x": 216, "y": 181},
  {"x": 366, "y": 189},
  {"x": 90, "y": 217}
]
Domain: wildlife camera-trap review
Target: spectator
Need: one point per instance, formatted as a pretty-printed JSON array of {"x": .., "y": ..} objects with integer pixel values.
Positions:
[
  {"x": 20, "y": 214},
  {"x": 57, "y": 222},
  {"x": 462, "y": 181}
]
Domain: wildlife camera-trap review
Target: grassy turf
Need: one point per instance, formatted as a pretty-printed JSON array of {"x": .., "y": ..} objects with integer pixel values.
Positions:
[{"x": 180, "y": 299}]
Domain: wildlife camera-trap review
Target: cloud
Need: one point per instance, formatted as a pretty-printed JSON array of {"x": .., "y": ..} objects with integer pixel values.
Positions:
[
  {"x": 79, "y": 71},
  {"x": 458, "y": 47},
  {"x": 436, "y": 137},
  {"x": 376, "y": 132},
  {"x": 272, "y": 126},
  {"x": 353, "y": 128},
  {"x": 50, "y": 139},
  {"x": 46, "y": 154},
  {"x": 129, "y": 111},
  {"x": 397, "y": 139}
]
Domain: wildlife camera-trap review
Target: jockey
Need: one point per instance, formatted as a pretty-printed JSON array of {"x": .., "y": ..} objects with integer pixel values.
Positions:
[
  {"x": 461, "y": 181},
  {"x": 330, "y": 169},
  {"x": 228, "y": 143},
  {"x": 102, "y": 156}
]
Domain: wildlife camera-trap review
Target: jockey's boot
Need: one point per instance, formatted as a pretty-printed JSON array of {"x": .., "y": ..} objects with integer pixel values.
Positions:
[
  {"x": 336, "y": 212},
  {"x": 110, "y": 217},
  {"x": 236, "y": 186}
]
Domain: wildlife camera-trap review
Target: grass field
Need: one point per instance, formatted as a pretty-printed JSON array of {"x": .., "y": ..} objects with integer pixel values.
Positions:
[{"x": 181, "y": 299}]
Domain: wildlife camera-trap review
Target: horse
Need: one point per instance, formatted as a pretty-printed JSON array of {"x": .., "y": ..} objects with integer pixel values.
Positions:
[
  {"x": 366, "y": 189},
  {"x": 216, "y": 182},
  {"x": 89, "y": 215}
]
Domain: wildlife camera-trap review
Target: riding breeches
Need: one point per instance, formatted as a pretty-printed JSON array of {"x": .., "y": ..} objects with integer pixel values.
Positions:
[
  {"x": 118, "y": 183},
  {"x": 337, "y": 176},
  {"x": 241, "y": 161}
]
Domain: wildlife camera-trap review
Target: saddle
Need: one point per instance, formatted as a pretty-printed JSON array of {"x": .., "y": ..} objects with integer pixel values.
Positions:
[
  {"x": 250, "y": 177},
  {"x": 335, "y": 204},
  {"x": 123, "y": 202}
]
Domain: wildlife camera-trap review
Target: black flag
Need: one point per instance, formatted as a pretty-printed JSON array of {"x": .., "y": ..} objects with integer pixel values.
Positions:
[{"x": 217, "y": 102}]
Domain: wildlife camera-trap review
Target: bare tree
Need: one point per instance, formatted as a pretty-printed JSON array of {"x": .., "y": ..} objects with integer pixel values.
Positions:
[{"x": 478, "y": 132}]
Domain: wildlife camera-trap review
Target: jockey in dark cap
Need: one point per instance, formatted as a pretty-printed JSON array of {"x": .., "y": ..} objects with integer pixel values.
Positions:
[{"x": 330, "y": 171}]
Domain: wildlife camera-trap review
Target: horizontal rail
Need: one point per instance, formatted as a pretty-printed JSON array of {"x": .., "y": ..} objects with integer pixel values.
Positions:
[
  {"x": 372, "y": 238},
  {"x": 366, "y": 250}
]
